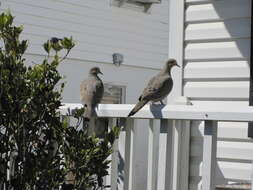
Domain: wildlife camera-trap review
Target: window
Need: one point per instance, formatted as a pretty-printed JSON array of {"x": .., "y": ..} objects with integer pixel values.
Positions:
[
  {"x": 113, "y": 94},
  {"x": 138, "y": 5}
]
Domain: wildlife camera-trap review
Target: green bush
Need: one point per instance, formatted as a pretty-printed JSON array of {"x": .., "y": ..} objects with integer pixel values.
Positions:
[
  {"x": 33, "y": 137},
  {"x": 86, "y": 156}
]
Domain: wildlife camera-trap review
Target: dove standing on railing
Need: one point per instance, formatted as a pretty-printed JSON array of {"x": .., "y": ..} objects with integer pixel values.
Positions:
[
  {"x": 92, "y": 90},
  {"x": 158, "y": 87}
]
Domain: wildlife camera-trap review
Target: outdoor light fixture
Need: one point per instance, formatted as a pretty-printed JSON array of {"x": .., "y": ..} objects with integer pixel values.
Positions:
[{"x": 117, "y": 59}]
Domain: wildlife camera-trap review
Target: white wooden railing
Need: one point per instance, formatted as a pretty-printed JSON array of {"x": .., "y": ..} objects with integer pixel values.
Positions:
[{"x": 177, "y": 120}]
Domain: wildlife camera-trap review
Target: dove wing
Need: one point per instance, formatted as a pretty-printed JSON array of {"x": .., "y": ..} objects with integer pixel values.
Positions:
[{"x": 158, "y": 88}]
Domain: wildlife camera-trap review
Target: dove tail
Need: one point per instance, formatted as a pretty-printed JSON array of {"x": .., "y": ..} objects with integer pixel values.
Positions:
[{"x": 137, "y": 107}]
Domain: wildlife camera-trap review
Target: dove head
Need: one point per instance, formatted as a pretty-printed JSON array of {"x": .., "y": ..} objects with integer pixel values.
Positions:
[
  {"x": 169, "y": 64},
  {"x": 95, "y": 71}
]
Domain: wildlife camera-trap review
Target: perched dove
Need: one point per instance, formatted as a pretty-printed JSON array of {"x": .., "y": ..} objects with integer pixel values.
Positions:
[
  {"x": 92, "y": 90},
  {"x": 158, "y": 87}
]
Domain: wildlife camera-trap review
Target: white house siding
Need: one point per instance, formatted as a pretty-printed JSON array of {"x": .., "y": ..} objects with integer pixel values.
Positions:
[
  {"x": 216, "y": 73},
  {"x": 100, "y": 30}
]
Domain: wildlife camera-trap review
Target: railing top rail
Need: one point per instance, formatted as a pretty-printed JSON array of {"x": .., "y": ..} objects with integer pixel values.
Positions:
[{"x": 177, "y": 112}]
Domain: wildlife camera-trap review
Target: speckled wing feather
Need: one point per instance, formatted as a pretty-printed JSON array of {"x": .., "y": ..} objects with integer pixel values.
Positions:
[{"x": 158, "y": 88}]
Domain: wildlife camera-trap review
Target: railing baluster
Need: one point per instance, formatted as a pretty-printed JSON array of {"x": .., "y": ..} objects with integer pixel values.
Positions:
[
  {"x": 153, "y": 153},
  {"x": 129, "y": 155},
  {"x": 169, "y": 151},
  {"x": 181, "y": 140},
  {"x": 185, "y": 155},
  {"x": 209, "y": 155},
  {"x": 114, "y": 157}
]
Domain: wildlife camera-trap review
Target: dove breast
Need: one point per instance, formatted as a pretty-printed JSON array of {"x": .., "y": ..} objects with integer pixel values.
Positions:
[{"x": 92, "y": 91}]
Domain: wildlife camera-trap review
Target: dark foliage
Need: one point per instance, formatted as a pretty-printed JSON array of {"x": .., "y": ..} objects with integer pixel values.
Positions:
[{"x": 32, "y": 134}]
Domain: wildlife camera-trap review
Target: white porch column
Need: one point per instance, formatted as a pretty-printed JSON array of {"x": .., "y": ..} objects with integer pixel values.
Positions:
[
  {"x": 176, "y": 45},
  {"x": 178, "y": 145}
]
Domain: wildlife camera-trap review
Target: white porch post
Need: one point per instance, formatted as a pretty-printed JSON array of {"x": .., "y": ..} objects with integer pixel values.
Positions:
[
  {"x": 112, "y": 178},
  {"x": 209, "y": 155},
  {"x": 176, "y": 45},
  {"x": 153, "y": 153},
  {"x": 178, "y": 146},
  {"x": 129, "y": 155}
]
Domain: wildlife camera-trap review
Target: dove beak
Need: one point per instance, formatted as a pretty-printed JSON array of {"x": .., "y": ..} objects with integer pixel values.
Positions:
[
  {"x": 100, "y": 73},
  {"x": 177, "y": 65}
]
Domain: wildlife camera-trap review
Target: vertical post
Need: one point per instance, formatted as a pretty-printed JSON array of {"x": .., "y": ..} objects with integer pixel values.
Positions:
[
  {"x": 209, "y": 155},
  {"x": 250, "y": 125},
  {"x": 114, "y": 157},
  {"x": 153, "y": 154},
  {"x": 181, "y": 152},
  {"x": 169, "y": 154},
  {"x": 185, "y": 156},
  {"x": 176, "y": 44},
  {"x": 129, "y": 155},
  {"x": 181, "y": 149}
]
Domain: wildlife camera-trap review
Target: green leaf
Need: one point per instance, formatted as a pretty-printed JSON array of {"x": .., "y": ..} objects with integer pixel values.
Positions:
[
  {"x": 67, "y": 43},
  {"x": 47, "y": 46}
]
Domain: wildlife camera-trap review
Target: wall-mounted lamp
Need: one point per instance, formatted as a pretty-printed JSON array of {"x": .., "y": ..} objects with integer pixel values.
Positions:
[{"x": 117, "y": 59}]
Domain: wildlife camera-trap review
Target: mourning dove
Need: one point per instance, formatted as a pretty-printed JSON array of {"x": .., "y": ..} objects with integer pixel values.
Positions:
[
  {"x": 158, "y": 87},
  {"x": 92, "y": 90}
]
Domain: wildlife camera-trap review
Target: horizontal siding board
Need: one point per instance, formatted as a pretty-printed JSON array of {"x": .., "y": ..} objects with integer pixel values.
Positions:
[
  {"x": 218, "y": 10},
  {"x": 227, "y": 150},
  {"x": 236, "y": 89},
  {"x": 223, "y": 70},
  {"x": 74, "y": 54},
  {"x": 91, "y": 38},
  {"x": 229, "y": 29},
  {"x": 230, "y": 170},
  {"x": 237, "y": 49},
  {"x": 87, "y": 47},
  {"x": 98, "y": 57},
  {"x": 40, "y": 39},
  {"x": 237, "y": 131}
]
